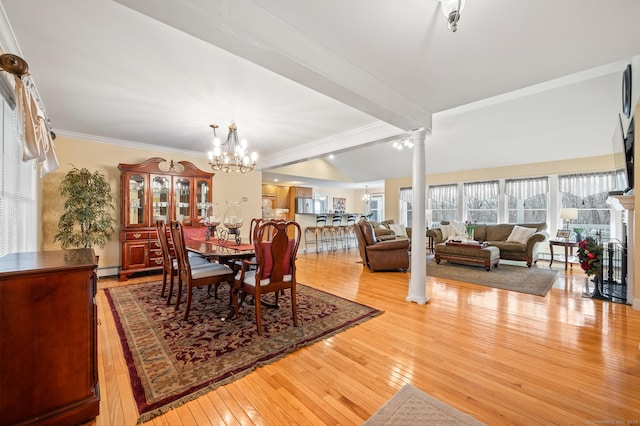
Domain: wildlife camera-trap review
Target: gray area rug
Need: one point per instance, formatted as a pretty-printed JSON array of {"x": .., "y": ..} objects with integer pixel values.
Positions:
[
  {"x": 506, "y": 276},
  {"x": 411, "y": 406}
]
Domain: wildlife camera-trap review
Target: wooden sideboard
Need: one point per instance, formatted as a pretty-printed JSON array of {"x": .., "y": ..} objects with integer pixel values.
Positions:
[
  {"x": 149, "y": 193},
  {"x": 48, "y": 338}
]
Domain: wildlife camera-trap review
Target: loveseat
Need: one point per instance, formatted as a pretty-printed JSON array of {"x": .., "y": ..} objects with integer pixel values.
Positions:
[{"x": 512, "y": 247}]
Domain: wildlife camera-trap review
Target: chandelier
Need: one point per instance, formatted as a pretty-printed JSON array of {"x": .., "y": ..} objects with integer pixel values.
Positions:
[
  {"x": 367, "y": 196},
  {"x": 452, "y": 10},
  {"x": 232, "y": 155}
]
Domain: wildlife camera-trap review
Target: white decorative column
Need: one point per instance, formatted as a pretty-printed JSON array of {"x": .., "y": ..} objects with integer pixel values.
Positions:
[{"x": 418, "y": 280}]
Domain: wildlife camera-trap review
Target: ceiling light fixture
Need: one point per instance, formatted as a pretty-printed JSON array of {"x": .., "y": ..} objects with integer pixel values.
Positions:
[
  {"x": 404, "y": 143},
  {"x": 232, "y": 155},
  {"x": 367, "y": 196},
  {"x": 452, "y": 10}
]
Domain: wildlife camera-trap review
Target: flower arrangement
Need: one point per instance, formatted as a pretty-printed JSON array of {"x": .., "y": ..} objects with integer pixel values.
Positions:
[
  {"x": 469, "y": 227},
  {"x": 590, "y": 255}
]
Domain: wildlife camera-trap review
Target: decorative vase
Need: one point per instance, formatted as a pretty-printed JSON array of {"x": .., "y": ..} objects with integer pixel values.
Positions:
[
  {"x": 578, "y": 237},
  {"x": 213, "y": 220},
  {"x": 233, "y": 219},
  {"x": 470, "y": 234}
]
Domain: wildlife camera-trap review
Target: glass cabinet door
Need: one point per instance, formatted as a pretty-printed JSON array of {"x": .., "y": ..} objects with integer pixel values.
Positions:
[
  {"x": 160, "y": 198},
  {"x": 203, "y": 200},
  {"x": 136, "y": 201},
  {"x": 182, "y": 188}
]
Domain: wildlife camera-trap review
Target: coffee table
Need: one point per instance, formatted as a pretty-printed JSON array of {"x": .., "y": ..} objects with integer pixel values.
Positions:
[{"x": 468, "y": 253}]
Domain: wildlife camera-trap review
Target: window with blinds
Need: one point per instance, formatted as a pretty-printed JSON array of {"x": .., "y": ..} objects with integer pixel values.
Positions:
[
  {"x": 18, "y": 203},
  {"x": 482, "y": 200},
  {"x": 405, "y": 210},
  {"x": 444, "y": 201},
  {"x": 527, "y": 200},
  {"x": 588, "y": 192}
]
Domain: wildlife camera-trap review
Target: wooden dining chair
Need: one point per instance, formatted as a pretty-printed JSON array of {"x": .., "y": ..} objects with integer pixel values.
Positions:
[
  {"x": 212, "y": 274},
  {"x": 169, "y": 260},
  {"x": 276, "y": 243}
]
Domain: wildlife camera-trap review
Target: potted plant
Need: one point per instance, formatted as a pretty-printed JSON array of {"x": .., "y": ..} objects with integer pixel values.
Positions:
[
  {"x": 578, "y": 230},
  {"x": 87, "y": 219}
]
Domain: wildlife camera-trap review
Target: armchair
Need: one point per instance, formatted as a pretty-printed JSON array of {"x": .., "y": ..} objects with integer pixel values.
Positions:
[{"x": 381, "y": 255}]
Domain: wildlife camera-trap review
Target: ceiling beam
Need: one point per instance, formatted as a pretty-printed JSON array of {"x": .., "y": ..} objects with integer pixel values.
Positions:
[{"x": 249, "y": 31}]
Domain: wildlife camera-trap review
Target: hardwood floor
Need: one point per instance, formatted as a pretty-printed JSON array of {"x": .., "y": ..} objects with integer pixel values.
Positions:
[{"x": 502, "y": 357}]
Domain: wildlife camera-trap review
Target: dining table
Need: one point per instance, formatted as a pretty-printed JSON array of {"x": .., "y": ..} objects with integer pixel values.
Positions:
[{"x": 225, "y": 252}]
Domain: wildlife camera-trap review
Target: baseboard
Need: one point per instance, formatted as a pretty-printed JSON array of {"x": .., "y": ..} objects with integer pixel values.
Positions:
[
  {"x": 108, "y": 271},
  {"x": 636, "y": 304}
]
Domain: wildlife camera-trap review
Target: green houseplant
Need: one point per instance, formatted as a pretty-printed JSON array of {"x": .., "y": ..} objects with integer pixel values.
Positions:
[{"x": 87, "y": 219}]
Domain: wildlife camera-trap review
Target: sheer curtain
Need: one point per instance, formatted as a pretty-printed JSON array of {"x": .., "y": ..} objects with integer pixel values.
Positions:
[
  {"x": 406, "y": 197},
  {"x": 527, "y": 199},
  {"x": 587, "y": 184},
  {"x": 588, "y": 192},
  {"x": 444, "y": 202},
  {"x": 482, "y": 201}
]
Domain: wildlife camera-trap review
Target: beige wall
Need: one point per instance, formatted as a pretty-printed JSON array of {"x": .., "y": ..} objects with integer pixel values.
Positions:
[{"x": 105, "y": 159}]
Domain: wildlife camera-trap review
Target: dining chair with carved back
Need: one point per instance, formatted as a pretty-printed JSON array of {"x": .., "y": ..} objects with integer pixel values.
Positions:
[
  {"x": 204, "y": 275},
  {"x": 276, "y": 243},
  {"x": 169, "y": 260}
]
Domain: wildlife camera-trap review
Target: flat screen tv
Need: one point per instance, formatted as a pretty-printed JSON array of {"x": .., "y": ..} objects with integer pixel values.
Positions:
[{"x": 623, "y": 157}]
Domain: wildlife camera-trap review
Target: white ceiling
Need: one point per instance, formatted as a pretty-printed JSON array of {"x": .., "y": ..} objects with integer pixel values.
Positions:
[{"x": 519, "y": 82}]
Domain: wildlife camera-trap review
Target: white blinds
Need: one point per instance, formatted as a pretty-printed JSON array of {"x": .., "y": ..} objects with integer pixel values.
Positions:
[
  {"x": 481, "y": 190},
  {"x": 18, "y": 206},
  {"x": 442, "y": 196},
  {"x": 527, "y": 187},
  {"x": 587, "y": 184}
]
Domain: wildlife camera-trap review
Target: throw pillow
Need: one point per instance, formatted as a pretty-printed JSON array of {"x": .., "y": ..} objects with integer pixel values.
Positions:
[
  {"x": 399, "y": 230},
  {"x": 520, "y": 234},
  {"x": 446, "y": 231},
  {"x": 452, "y": 232}
]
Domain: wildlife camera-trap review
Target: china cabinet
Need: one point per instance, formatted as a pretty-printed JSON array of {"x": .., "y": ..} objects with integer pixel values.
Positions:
[
  {"x": 48, "y": 338},
  {"x": 148, "y": 193}
]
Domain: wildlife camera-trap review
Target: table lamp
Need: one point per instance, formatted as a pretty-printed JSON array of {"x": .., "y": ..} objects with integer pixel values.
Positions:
[{"x": 567, "y": 214}]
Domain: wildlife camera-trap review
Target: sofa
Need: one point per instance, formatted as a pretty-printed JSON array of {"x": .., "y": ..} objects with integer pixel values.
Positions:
[
  {"x": 520, "y": 247},
  {"x": 385, "y": 255}
]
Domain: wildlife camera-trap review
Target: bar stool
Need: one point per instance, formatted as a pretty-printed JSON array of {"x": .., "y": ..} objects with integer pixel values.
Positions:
[
  {"x": 338, "y": 231},
  {"x": 349, "y": 233},
  {"x": 314, "y": 234}
]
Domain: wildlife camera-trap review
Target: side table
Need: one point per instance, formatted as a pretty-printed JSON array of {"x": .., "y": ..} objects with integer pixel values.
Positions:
[{"x": 568, "y": 251}]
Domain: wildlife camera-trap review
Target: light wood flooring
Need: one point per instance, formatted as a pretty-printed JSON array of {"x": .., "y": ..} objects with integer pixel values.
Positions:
[{"x": 502, "y": 357}]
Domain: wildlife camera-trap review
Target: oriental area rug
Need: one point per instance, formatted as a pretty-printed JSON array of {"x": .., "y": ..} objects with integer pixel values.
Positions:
[
  {"x": 537, "y": 281},
  {"x": 172, "y": 361},
  {"x": 411, "y": 406}
]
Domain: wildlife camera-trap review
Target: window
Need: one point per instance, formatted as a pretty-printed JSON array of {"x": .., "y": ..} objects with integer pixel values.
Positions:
[
  {"x": 443, "y": 200},
  {"x": 482, "y": 201},
  {"x": 18, "y": 205},
  {"x": 406, "y": 212},
  {"x": 376, "y": 207},
  {"x": 527, "y": 200},
  {"x": 588, "y": 192}
]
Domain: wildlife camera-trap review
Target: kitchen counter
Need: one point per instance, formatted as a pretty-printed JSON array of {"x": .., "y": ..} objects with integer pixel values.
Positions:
[{"x": 309, "y": 219}]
